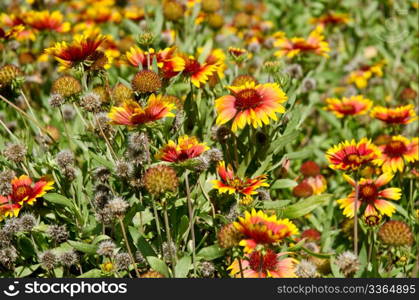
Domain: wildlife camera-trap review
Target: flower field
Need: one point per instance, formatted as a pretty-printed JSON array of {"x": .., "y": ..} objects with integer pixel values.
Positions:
[{"x": 209, "y": 139}]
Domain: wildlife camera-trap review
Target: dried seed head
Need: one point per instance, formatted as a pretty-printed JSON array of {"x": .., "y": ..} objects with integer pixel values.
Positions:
[
  {"x": 200, "y": 163},
  {"x": 146, "y": 81},
  {"x": 306, "y": 269},
  {"x": 207, "y": 269},
  {"x": 122, "y": 261},
  {"x": 64, "y": 159},
  {"x": 139, "y": 257},
  {"x": 169, "y": 249},
  {"x": 106, "y": 248},
  {"x": 295, "y": 71},
  {"x": 264, "y": 194},
  {"x": 103, "y": 126},
  {"x": 100, "y": 199},
  {"x": 308, "y": 84},
  {"x": 160, "y": 179},
  {"x": 8, "y": 256},
  {"x": 48, "y": 260},
  {"x": 69, "y": 258},
  {"x": 69, "y": 173},
  {"x": 27, "y": 222},
  {"x": 12, "y": 226},
  {"x": 15, "y": 152},
  {"x": 121, "y": 92},
  {"x": 104, "y": 216},
  {"x": 396, "y": 233},
  {"x": 138, "y": 141},
  {"x": 5, "y": 238},
  {"x": 214, "y": 155},
  {"x": 348, "y": 263},
  {"x": 8, "y": 73},
  {"x": 221, "y": 134},
  {"x": 117, "y": 206},
  {"x": 91, "y": 102},
  {"x": 5, "y": 182},
  {"x": 123, "y": 169},
  {"x": 58, "y": 233},
  {"x": 229, "y": 236},
  {"x": 66, "y": 86},
  {"x": 68, "y": 112},
  {"x": 56, "y": 100}
]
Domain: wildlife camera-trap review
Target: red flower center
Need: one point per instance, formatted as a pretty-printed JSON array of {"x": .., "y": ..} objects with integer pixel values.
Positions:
[
  {"x": 395, "y": 148},
  {"x": 348, "y": 109},
  {"x": 262, "y": 263},
  {"x": 192, "y": 66},
  {"x": 21, "y": 192},
  {"x": 368, "y": 192},
  {"x": 352, "y": 159},
  {"x": 247, "y": 98}
]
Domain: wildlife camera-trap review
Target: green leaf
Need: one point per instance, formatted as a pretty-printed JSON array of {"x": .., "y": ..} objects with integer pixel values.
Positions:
[
  {"x": 23, "y": 271},
  {"x": 58, "y": 199},
  {"x": 158, "y": 265},
  {"x": 83, "y": 247},
  {"x": 305, "y": 206},
  {"x": 93, "y": 273},
  {"x": 283, "y": 184},
  {"x": 140, "y": 242},
  {"x": 182, "y": 267},
  {"x": 210, "y": 252},
  {"x": 25, "y": 246},
  {"x": 101, "y": 160},
  {"x": 277, "y": 204}
]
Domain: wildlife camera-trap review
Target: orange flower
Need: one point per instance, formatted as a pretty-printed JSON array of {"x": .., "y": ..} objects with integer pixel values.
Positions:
[
  {"x": 250, "y": 104},
  {"x": 83, "y": 48},
  {"x": 168, "y": 62},
  {"x": 396, "y": 152},
  {"x": 399, "y": 115},
  {"x": 262, "y": 265},
  {"x": 260, "y": 229},
  {"x": 331, "y": 18},
  {"x": 131, "y": 113},
  {"x": 186, "y": 148},
  {"x": 23, "y": 192},
  {"x": 315, "y": 43},
  {"x": 355, "y": 105},
  {"x": 371, "y": 196},
  {"x": 352, "y": 155},
  {"x": 231, "y": 184},
  {"x": 360, "y": 77},
  {"x": 198, "y": 73},
  {"x": 45, "y": 20}
]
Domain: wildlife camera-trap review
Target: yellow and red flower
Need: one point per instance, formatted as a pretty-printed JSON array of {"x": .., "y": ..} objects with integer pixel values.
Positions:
[
  {"x": 231, "y": 184},
  {"x": 352, "y": 106},
  {"x": 47, "y": 21},
  {"x": 398, "y": 115},
  {"x": 131, "y": 113},
  {"x": 360, "y": 77},
  {"x": 315, "y": 43},
  {"x": 264, "y": 265},
  {"x": 186, "y": 148},
  {"x": 350, "y": 155},
  {"x": 371, "y": 196},
  {"x": 82, "y": 49},
  {"x": 397, "y": 152},
  {"x": 318, "y": 183},
  {"x": 24, "y": 191},
  {"x": 260, "y": 229},
  {"x": 331, "y": 18},
  {"x": 199, "y": 73},
  {"x": 168, "y": 62},
  {"x": 250, "y": 104}
]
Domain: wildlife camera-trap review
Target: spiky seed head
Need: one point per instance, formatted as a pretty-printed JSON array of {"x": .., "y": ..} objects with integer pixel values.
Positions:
[
  {"x": 69, "y": 258},
  {"x": 123, "y": 169},
  {"x": 66, "y": 86},
  {"x": 306, "y": 269},
  {"x": 146, "y": 81},
  {"x": 160, "y": 179},
  {"x": 58, "y": 233},
  {"x": 8, "y": 256},
  {"x": 106, "y": 248},
  {"x": 48, "y": 259},
  {"x": 229, "y": 236},
  {"x": 27, "y": 222},
  {"x": 117, "y": 206},
  {"x": 68, "y": 112},
  {"x": 121, "y": 92},
  {"x": 15, "y": 152},
  {"x": 207, "y": 269},
  {"x": 56, "y": 100},
  {"x": 122, "y": 261},
  {"x": 294, "y": 70},
  {"x": 308, "y": 84},
  {"x": 65, "y": 158},
  {"x": 396, "y": 233},
  {"x": 91, "y": 102},
  {"x": 8, "y": 73},
  {"x": 348, "y": 263}
]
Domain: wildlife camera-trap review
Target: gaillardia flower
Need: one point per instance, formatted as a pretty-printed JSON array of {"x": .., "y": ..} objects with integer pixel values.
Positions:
[
  {"x": 396, "y": 152},
  {"x": 47, "y": 21},
  {"x": 81, "y": 50},
  {"x": 352, "y": 155},
  {"x": 168, "y": 62},
  {"x": 331, "y": 18},
  {"x": 23, "y": 192},
  {"x": 314, "y": 43},
  {"x": 131, "y": 113},
  {"x": 264, "y": 265},
  {"x": 398, "y": 115},
  {"x": 198, "y": 73},
  {"x": 186, "y": 148},
  {"x": 259, "y": 228},
  {"x": 371, "y": 196},
  {"x": 352, "y": 106},
  {"x": 250, "y": 104},
  {"x": 231, "y": 184},
  {"x": 360, "y": 77}
]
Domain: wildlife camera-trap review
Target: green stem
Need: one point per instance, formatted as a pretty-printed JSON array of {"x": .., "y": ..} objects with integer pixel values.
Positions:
[
  {"x": 191, "y": 220},
  {"x": 169, "y": 239}
]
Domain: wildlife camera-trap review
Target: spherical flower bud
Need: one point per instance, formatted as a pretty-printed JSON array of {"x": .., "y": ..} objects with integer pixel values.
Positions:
[
  {"x": 146, "y": 81},
  {"x": 122, "y": 261},
  {"x": 310, "y": 169},
  {"x": 348, "y": 263},
  {"x": 117, "y": 206},
  {"x": 64, "y": 159},
  {"x": 215, "y": 21},
  {"x": 123, "y": 169},
  {"x": 302, "y": 190},
  {"x": 396, "y": 233},
  {"x": 146, "y": 38},
  {"x": 160, "y": 179},
  {"x": 121, "y": 92},
  {"x": 8, "y": 73},
  {"x": 56, "y": 100},
  {"x": 58, "y": 233},
  {"x": 69, "y": 258},
  {"x": 91, "y": 102},
  {"x": 66, "y": 86},
  {"x": 27, "y": 222},
  {"x": 207, "y": 269},
  {"x": 228, "y": 236},
  {"x": 210, "y": 6},
  {"x": 173, "y": 10}
]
